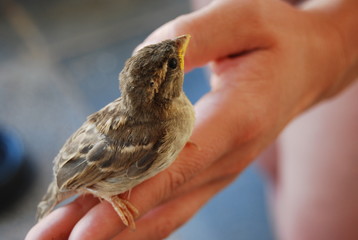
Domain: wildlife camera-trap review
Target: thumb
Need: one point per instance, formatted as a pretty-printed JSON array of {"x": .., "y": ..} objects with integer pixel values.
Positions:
[{"x": 221, "y": 29}]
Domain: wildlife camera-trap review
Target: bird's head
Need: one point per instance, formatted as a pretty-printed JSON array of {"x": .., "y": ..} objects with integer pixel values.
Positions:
[{"x": 155, "y": 74}]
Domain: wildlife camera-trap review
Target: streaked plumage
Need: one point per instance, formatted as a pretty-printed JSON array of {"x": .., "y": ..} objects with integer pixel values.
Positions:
[{"x": 132, "y": 138}]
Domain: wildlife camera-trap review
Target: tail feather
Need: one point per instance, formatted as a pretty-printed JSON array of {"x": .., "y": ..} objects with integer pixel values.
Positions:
[
  {"x": 52, "y": 197},
  {"x": 48, "y": 202}
]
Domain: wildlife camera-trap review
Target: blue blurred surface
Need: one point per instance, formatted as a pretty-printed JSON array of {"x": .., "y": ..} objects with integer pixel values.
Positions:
[{"x": 11, "y": 154}]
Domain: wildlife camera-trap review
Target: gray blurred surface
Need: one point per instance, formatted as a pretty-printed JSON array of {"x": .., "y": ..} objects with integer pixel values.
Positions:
[{"x": 59, "y": 62}]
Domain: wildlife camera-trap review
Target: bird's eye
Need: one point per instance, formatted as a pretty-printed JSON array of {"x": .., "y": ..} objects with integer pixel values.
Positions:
[
  {"x": 173, "y": 63},
  {"x": 151, "y": 83}
]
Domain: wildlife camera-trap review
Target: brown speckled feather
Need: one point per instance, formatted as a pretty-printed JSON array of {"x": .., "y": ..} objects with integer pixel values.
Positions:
[{"x": 92, "y": 155}]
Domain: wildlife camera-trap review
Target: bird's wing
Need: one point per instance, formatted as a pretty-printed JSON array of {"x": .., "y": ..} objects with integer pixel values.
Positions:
[{"x": 89, "y": 156}]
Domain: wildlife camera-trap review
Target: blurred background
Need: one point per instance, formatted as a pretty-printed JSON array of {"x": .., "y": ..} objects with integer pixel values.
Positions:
[{"x": 59, "y": 62}]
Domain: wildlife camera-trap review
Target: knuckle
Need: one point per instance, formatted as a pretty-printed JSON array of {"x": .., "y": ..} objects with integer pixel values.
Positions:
[
  {"x": 183, "y": 170},
  {"x": 175, "y": 178}
]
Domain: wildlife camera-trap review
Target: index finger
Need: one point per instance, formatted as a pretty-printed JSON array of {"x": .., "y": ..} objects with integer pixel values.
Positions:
[{"x": 214, "y": 36}]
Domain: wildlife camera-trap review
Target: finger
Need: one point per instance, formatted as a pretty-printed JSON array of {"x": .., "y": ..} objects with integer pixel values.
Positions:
[
  {"x": 99, "y": 223},
  {"x": 197, "y": 4},
  {"x": 230, "y": 165},
  {"x": 161, "y": 222},
  {"x": 214, "y": 36},
  {"x": 58, "y": 224}
]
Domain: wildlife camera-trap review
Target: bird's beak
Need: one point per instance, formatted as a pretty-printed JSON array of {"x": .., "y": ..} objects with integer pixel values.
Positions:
[{"x": 182, "y": 42}]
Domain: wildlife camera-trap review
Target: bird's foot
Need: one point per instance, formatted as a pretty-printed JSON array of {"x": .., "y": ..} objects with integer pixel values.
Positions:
[{"x": 126, "y": 211}]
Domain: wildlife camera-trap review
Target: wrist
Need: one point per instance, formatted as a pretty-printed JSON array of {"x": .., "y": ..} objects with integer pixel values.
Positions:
[{"x": 339, "y": 22}]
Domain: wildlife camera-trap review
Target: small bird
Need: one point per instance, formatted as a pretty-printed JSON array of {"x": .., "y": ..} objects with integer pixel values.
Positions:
[{"x": 132, "y": 138}]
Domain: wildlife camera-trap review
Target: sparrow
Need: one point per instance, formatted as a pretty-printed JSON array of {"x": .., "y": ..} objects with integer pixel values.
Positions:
[{"x": 131, "y": 139}]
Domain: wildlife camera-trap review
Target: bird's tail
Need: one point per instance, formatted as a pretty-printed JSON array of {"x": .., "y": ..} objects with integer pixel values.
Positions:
[{"x": 48, "y": 202}]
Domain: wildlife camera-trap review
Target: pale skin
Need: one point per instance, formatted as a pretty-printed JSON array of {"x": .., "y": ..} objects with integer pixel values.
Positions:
[{"x": 270, "y": 62}]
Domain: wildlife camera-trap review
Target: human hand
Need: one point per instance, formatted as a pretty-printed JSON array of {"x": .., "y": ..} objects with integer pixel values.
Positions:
[{"x": 269, "y": 63}]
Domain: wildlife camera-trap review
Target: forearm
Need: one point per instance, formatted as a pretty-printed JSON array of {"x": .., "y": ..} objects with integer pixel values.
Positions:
[{"x": 342, "y": 15}]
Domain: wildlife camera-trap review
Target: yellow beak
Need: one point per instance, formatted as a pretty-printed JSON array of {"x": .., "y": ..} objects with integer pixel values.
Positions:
[{"x": 183, "y": 42}]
